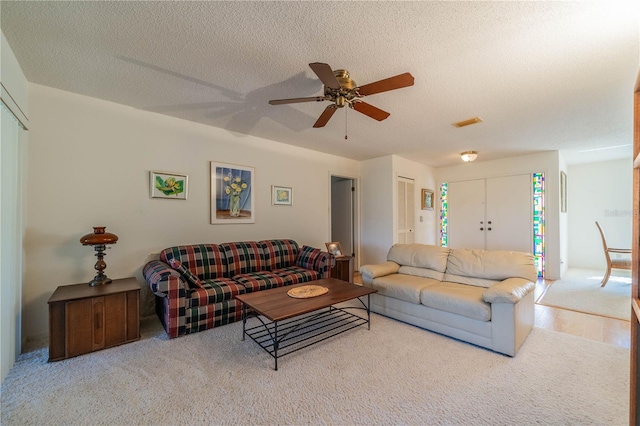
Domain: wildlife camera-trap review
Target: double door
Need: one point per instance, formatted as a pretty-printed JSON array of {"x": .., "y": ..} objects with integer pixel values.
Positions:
[{"x": 492, "y": 214}]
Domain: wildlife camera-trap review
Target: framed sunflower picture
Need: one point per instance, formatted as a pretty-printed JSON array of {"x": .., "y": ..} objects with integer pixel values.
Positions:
[
  {"x": 168, "y": 185},
  {"x": 232, "y": 194}
]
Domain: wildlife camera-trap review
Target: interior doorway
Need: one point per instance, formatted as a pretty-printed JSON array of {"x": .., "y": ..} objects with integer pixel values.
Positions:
[{"x": 344, "y": 215}]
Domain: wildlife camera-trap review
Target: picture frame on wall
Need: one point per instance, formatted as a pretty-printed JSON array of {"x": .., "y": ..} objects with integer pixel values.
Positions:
[
  {"x": 281, "y": 195},
  {"x": 232, "y": 194},
  {"x": 168, "y": 185},
  {"x": 563, "y": 192},
  {"x": 427, "y": 199}
]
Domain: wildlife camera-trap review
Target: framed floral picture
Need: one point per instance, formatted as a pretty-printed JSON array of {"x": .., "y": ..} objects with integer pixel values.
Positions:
[
  {"x": 281, "y": 196},
  {"x": 232, "y": 194},
  {"x": 168, "y": 185}
]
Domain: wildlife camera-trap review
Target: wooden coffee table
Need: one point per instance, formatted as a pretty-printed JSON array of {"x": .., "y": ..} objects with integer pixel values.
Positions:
[{"x": 287, "y": 324}]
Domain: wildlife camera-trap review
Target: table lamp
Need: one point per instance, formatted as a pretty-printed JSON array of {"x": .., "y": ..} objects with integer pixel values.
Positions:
[{"x": 98, "y": 240}]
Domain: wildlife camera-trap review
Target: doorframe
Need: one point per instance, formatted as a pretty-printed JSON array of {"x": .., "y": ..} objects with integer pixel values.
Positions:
[
  {"x": 634, "y": 368},
  {"x": 355, "y": 214}
]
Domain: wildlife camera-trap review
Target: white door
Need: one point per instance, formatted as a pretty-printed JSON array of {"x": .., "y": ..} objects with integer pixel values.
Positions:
[
  {"x": 467, "y": 214},
  {"x": 406, "y": 211},
  {"x": 509, "y": 223},
  {"x": 491, "y": 214}
]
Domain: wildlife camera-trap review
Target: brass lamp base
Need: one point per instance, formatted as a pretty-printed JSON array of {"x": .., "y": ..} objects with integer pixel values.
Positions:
[{"x": 100, "y": 280}]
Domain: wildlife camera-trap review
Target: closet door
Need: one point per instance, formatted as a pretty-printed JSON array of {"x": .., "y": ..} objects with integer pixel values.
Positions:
[
  {"x": 467, "y": 214},
  {"x": 509, "y": 220},
  {"x": 492, "y": 214},
  {"x": 406, "y": 211}
]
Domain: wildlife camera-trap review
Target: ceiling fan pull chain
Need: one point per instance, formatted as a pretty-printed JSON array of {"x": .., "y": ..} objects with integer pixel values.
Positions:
[{"x": 345, "y": 124}]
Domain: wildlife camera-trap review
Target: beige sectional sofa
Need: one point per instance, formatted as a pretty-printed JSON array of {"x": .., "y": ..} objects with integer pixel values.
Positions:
[{"x": 479, "y": 296}]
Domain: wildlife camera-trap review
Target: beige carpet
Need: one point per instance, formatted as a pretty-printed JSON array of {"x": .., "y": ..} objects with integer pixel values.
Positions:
[
  {"x": 393, "y": 374},
  {"x": 579, "y": 290}
]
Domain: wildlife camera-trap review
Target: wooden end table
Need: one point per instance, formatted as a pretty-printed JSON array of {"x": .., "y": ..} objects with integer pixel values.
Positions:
[
  {"x": 85, "y": 319},
  {"x": 343, "y": 269}
]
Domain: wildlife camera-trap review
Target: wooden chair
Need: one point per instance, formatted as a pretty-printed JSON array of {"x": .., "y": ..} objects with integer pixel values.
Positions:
[{"x": 613, "y": 263}]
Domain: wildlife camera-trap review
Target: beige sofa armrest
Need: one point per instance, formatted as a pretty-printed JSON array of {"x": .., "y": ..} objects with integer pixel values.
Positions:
[
  {"x": 369, "y": 272},
  {"x": 510, "y": 290}
]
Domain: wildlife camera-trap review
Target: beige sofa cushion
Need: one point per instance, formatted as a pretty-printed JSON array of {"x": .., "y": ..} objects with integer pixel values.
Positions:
[
  {"x": 478, "y": 282},
  {"x": 400, "y": 286},
  {"x": 491, "y": 264},
  {"x": 460, "y": 299},
  {"x": 421, "y": 272},
  {"x": 419, "y": 256}
]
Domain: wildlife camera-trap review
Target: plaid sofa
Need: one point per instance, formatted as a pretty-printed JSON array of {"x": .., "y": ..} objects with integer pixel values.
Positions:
[{"x": 195, "y": 285}]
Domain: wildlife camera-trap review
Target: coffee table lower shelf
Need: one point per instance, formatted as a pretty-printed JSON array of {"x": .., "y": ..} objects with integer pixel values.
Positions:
[{"x": 282, "y": 338}]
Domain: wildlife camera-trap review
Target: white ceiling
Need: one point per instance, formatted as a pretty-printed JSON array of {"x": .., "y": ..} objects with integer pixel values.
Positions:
[{"x": 542, "y": 75}]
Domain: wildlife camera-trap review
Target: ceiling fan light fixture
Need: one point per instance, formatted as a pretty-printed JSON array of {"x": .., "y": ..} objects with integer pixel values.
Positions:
[
  {"x": 469, "y": 156},
  {"x": 468, "y": 122}
]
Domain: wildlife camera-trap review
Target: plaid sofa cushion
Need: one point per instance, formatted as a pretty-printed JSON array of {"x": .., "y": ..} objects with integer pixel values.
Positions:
[
  {"x": 279, "y": 253},
  {"x": 214, "y": 291},
  {"x": 188, "y": 275},
  {"x": 206, "y": 261},
  {"x": 243, "y": 257},
  {"x": 257, "y": 281},
  {"x": 296, "y": 275}
]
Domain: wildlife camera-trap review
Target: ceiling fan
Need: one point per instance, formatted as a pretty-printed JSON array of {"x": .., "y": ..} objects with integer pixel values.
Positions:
[{"x": 341, "y": 90}]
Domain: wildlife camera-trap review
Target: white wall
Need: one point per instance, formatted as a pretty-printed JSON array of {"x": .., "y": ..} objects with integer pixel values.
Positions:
[
  {"x": 379, "y": 201},
  {"x": 377, "y": 194},
  {"x": 545, "y": 162},
  {"x": 598, "y": 192},
  {"x": 564, "y": 223},
  {"x": 88, "y": 166},
  {"x": 12, "y": 157}
]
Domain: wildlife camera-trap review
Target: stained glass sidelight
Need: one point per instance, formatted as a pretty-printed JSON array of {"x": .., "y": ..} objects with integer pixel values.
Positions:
[
  {"x": 538, "y": 222},
  {"x": 444, "y": 209}
]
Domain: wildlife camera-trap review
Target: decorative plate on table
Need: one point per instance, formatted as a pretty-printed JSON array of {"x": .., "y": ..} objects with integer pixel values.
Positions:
[{"x": 306, "y": 291}]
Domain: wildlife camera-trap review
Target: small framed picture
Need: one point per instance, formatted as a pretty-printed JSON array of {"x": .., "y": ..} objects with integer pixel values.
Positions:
[
  {"x": 427, "y": 199},
  {"x": 335, "y": 248},
  {"x": 281, "y": 196},
  {"x": 168, "y": 185}
]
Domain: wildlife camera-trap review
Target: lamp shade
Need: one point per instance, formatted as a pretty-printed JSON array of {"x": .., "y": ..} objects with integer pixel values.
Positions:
[
  {"x": 469, "y": 156},
  {"x": 98, "y": 237}
]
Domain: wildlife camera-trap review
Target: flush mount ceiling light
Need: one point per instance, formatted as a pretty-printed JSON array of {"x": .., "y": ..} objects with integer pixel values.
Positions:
[
  {"x": 469, "y": 156},
  {"x": 468, "y": 122}
]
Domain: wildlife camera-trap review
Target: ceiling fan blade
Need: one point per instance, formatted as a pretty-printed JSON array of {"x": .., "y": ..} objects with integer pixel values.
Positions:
[
  {"x": 370, "y": 110},
  {"x": 391, "y": 83},
  {"x": 325, "y": 74},
  {"x": 297, "y": 100},
  {"x": 325, "y": 116}
]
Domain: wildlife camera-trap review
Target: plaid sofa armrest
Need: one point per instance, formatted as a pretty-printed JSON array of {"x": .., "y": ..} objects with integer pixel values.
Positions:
[
  {"x": 314, "y": 259},
  {"x": 325, "y": 263},
  {"x": 164, "y": 281}
]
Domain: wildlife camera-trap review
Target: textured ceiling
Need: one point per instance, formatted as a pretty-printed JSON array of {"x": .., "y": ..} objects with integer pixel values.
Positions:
[{"x": 542, "y": 75}]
